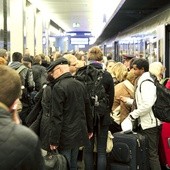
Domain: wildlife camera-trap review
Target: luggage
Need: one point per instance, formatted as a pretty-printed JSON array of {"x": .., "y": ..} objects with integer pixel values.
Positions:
[
  {"x": 55, "y": 161},
  {"x": 164, "y": 148},
  {"x": 130, "y": 151}
]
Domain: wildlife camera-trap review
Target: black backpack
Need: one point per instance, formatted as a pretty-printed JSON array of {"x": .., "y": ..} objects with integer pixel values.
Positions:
[
  {"x": 161, "y": 107},
  {"x": 92, "y": 79}
]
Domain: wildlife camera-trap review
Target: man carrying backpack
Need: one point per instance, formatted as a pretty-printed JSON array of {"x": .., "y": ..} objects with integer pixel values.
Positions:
[
  {"x": 145, "y": 96},
  {"x": 101, "y": 93},
  {"x": 28, "y": 84}
]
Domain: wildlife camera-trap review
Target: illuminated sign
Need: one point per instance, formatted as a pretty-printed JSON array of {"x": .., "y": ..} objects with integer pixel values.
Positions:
[{"x": 78, "y": 41}]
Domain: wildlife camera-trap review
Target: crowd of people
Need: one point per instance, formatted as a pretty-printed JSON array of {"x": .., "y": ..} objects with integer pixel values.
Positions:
[{"x": 67, "y": 121}]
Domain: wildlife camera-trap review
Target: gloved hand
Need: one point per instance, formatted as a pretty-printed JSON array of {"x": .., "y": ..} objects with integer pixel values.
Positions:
[{"x": 127, "y": 124}]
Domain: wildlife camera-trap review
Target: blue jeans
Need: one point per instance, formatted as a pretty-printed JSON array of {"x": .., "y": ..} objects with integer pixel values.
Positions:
[
  {"x": 71, "y": 155},
  {"x": 101, "y": 151}
]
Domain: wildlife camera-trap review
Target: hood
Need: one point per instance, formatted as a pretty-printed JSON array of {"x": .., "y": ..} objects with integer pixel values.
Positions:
[
  {"x": 15, "y": 64},
  {"x": 96, "y": 64}
]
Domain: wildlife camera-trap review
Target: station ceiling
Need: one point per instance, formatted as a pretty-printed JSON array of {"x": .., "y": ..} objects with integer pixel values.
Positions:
[{"x": 67, "y": 12}]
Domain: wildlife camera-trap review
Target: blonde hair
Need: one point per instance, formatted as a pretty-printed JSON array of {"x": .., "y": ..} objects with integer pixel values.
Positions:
[
  {"x": 131, "y": 77},
  {"x": 157, "y": 69},
  {"x": 95, "y": 53},
  {"x": 119, "y": 71},
  {"x": 70, "y": 58}
]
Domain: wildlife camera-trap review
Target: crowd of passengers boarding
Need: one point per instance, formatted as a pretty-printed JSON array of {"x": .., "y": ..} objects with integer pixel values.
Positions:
[{"x": 64, "y": 115}]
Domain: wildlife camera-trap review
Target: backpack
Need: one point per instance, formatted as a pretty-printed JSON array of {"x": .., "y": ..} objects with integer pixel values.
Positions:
[
  {"x": 161, "y": 107},
  {"x": 92, "y": 79},
  {"x": 19, "y": 69}
]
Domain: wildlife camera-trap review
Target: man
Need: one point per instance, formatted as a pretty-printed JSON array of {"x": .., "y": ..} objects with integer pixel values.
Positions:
[
  {"x": 39, "y": 73},
  {"x": 27, "y": 83},
  {"x": 19, "y": 146},
  {"x": 72, "y": 61},
  {"x": 69, "y": 112},
  {"x": 145, "y": 96},
  {"x": 95, "y": 57},
  {"x": 127, "y": 60}
]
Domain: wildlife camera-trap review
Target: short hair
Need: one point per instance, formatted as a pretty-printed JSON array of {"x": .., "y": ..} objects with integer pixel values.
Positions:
[
  {"x": 141, "y": 63},
  {"x": 10, "y": 85},
  {"x": 37, "y": 59},
  {"x": 95, "y": 53},
  {"x": 3, "y": 52},
  {"x": 16, "y": 56},
  {"x": 70, "y": 58}
]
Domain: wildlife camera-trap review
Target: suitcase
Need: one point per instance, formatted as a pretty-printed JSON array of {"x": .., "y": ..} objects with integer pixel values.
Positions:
[
  {"x": 130, "y": 151},
  {"x": 164, "y": 148}
]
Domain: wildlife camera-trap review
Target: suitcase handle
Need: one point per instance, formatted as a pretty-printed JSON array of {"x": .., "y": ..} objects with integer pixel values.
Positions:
[{"x": 128, "y": 132}]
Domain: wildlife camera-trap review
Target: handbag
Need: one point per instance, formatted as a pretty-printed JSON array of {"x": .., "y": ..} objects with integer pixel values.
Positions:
[
  {"x": 109, "y": 145},
  {"x": 55, "y": 161}
]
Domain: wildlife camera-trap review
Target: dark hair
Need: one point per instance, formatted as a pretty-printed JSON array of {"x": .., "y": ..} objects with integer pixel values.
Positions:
[
  {"x": 16, "y": 56},
  {"x": 141, "y": 63},
  {"x": 131, "y": 63}
]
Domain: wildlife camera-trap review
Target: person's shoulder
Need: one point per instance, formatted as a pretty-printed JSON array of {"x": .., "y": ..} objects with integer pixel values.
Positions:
[{"x": 25, "y": 136}]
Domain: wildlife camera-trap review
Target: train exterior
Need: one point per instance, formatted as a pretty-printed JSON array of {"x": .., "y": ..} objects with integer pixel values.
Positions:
[{"x": 149, "y": 39}]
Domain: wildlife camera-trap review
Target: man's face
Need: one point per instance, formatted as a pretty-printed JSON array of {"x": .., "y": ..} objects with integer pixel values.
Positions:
[
  {"x": 138, "y": 72},
  {"x": 73, "y": 66}
]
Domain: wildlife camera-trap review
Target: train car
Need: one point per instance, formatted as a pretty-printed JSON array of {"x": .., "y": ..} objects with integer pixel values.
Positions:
[{"x": 149, "y": 38}]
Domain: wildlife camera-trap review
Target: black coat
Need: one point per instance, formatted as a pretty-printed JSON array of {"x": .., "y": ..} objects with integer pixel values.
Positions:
[
  {"x": 19, "y": 146},
  {"x": 68, "y": 117},
  {"x": 39, "y": 76},
  {"x": 109, "y": 88},
  {"x": 45, "y": 120}
]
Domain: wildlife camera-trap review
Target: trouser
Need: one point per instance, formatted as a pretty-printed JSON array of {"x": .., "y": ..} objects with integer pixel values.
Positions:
[
  {"x": 71, "y": 155},
  {"x": 101, "y": 151},
  {"x": 153, "y": 137}
]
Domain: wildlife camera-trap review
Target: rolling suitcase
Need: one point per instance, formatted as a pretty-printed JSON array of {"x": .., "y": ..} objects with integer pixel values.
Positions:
[
  {"x": 130, "y": 152},
  {"x": 164, "y": 148}
]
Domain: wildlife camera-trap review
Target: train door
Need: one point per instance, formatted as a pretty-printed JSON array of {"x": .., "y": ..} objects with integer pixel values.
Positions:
[{"x": 167, "y": 50}]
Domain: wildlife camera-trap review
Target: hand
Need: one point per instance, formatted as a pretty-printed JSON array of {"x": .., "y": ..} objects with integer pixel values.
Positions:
[
  {"x": 127, "y": 124},
  {"x": 53, "y": 147},
  {"x": 90, "y": 135},
  {"x": 123, "y": 99}
]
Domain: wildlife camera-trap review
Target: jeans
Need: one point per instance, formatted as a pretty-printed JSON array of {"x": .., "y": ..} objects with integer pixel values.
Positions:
[
  {"x": 71, "y": 156},
  {"x": 101, "y": 139}
]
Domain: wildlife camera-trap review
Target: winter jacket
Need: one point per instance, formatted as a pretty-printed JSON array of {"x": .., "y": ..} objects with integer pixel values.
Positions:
[
  {"x": 69, "y": 112},
  {"x": 145, "y": 96},
  {"x": 19, "y": 146}
]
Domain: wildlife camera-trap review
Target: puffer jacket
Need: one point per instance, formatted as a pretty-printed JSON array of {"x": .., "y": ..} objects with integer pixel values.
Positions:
[
  {"x": 19, "y": 146},
  {"x": 68, "y": 117}
]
